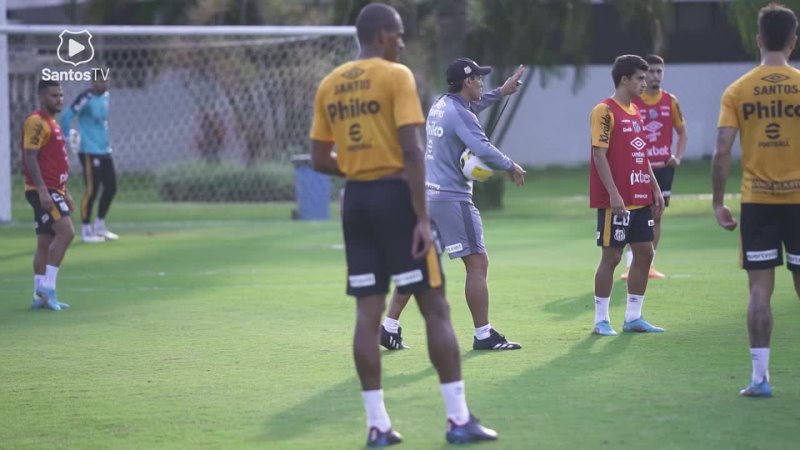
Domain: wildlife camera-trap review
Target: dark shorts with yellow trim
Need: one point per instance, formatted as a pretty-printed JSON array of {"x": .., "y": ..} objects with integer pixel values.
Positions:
[
  {"x": 765, "y": 230},
  {"x": 664, "y": 176},
  {"x": 45, "y": 219},
  {"x": 378, "y": 221},
  {"x": 616, "y": 231}
]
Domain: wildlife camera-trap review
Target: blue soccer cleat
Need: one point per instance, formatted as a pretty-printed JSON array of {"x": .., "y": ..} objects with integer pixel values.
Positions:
[
  {"x": 472, "y": 431},
  {"x": 38, "y": 302},
  {"x": 49, "y": 298},
  {"x": 378, "y": 438},
  {"x": 762, "y": 389},
  {"x": 603, "y": 328},
  {"x": 640, "y": 326}
]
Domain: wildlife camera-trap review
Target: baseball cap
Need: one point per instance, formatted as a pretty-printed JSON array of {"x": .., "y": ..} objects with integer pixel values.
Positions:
[{"x": 462, "y": 68}]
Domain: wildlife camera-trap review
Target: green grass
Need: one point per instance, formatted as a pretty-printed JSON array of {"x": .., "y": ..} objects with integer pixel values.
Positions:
[{"x": 226, "y": 327}]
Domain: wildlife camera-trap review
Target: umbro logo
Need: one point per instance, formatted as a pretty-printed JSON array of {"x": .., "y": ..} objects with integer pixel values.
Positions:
[
  {"x": 638, "y": 143},
  {"x": 775, "y": 78},
  {"x": 653, "y": 126},
  {"x": 353, "y": 73}
]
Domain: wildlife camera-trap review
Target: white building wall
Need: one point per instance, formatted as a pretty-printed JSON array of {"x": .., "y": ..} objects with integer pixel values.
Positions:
[{"x": 551, "y": 125}]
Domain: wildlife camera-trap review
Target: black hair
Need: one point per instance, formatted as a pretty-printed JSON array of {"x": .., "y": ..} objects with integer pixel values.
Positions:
[
  {"x": 776, "y": 25},
  {"x": 45, "y": 84},
  {"x": 626, "y": 66},
  {"x": 373, "y": 19}
]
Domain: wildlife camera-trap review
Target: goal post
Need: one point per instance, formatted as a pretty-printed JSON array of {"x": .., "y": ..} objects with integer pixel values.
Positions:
[{"x": 196, "y": 113}]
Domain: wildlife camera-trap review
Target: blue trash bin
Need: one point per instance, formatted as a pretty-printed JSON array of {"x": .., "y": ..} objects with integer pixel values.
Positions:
[{"x": 312, "y": 189}]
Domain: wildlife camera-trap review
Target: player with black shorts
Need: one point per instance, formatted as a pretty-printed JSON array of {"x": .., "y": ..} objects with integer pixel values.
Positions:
[
  {"x": 369, "y": 110},
  {"x": 46, "y": 169},
  {"x": 762, "y": 107},
  {"x": 624, "y": 190}
]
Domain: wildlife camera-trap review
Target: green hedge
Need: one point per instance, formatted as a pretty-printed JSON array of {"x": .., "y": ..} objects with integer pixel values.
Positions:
[{"x": 199, "y": 182}]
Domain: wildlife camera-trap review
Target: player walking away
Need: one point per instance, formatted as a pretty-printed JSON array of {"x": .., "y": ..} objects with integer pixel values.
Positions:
[
  {"x": 46, "y": 169},
  {"x": 369, "y": 109},
  {"x": 764, "y": 106},
  {"x": 453, "y": 126},
  {"x": 94, "y": 152},
  {"x": 661, "y": 116},
  {"x": 625, "y": 192}
]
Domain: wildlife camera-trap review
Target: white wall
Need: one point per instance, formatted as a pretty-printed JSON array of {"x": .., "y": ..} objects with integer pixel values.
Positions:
[{"x": 551, "y": 126}]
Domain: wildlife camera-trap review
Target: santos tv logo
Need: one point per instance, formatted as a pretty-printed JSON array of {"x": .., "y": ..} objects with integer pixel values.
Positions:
[{"x": 75, "y": 48}]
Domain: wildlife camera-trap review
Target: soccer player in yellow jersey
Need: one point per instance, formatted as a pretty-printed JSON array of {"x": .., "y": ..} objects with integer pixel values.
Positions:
[
  {"x": 764, "y": 107},
  {"x": 369, "y": 110}
]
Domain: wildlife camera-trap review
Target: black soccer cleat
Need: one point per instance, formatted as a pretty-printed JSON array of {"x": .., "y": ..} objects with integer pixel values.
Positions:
[
  {"x": 378, "y": 438},
  {"x": 495, "y": 341},
  {"x": 472, "y": 431},
  {"x": 392, "y": 341}
]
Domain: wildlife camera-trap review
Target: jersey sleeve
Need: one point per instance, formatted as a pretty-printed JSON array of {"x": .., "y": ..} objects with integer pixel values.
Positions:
[
  {"x": 407, "y": 109},
  {"x": 601, "y": 123},
  {"x": 320, "y": 126},
  {"x": 677, "y": 116},
  {"x": 727, "y": 110},
  {"x": 35, "y": 133}
]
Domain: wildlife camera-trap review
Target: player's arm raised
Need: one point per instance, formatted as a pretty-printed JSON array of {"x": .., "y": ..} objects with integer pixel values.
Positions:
[{"x": 720, "y": 166}]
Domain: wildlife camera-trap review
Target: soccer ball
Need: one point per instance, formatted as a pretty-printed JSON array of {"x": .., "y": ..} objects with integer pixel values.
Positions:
[{"x": 473, "y": 168}]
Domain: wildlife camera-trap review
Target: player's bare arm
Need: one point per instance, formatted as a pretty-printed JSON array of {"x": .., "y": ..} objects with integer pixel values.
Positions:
[
  {"x": 517, "y": 174},
  {"x": 680, "y": 147},
  {"x": 658, "y": 197},
  {"x": 720, "y": 166},
  {"x": 413, "y": 157},
  {"x": 600, "y": 157},
  {"x": 36, "y": 176},
  {"x": 323, "y": 158}
]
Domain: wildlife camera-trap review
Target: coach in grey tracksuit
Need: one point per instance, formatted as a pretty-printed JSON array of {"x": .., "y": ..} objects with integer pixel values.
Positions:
[{"x": 452, "y": 126}]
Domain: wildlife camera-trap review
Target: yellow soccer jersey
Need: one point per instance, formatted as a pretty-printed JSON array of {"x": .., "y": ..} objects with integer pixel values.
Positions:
[
  {"x": 764, "y": 105},
  {"x": 601, "y": 123},
  {"x": 677, "y": 116},
  {"x": 359, "y": 106}
]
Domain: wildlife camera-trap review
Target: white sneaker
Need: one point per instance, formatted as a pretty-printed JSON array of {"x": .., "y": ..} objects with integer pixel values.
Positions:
[
  {"x": 105, "y": 235},
  {"x": 91, "y": 238}
]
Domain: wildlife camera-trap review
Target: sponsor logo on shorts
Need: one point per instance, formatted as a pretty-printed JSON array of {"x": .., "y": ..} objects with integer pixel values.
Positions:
[
  {"x": 364, "y": 280},
  {"x": 454, "y": 248},
  {"x": 406, "y": 278},
  {"x": 651, "y": 223},
  {"x": 764, "y": 255},
  {"x": 619, "y": 235},
  {"x": 45, "y": 218},
  {"x": 793, "y": 259}
]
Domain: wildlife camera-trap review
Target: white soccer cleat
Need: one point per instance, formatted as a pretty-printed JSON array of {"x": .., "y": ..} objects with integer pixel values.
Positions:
[
  {"x": 91, "y": 238},
  {"x": 106, "y": 235}
]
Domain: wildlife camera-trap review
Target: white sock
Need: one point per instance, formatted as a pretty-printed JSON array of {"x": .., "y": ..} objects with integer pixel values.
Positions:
[
  {"x": 391, "y": 325},
  {"x": 601, "y": 308},
  {"x": 455, "y": 402},
  {"x": 50, "y": 275},
  {"x": 86, "y": 229},
  {"x": 629, "y": 257},
  {"x": 483, "y": 332},
  {"x": 37, "y": 281},
  {"x": 99, "y": 223},
  {"x": 760, "y": 357},
  {"x": 633, "y": 310},
  {"x": 376, "y": 410}
]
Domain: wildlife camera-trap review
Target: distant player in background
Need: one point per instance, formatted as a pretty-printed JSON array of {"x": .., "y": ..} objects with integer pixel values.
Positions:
[
  {"x": 369, "y": 110},
  {"x": 453, "y": 126},
  {"x": 625, "y": 192},
  {"x": 661, "y": 116},
  {"x": 46, "y": 169},
  {"x": 94, "y": 152},
  {"x": 762, "y": 106}
]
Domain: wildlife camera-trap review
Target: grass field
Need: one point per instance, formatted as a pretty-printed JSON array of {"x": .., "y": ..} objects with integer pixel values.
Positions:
[{"x": 226, "y": 327}]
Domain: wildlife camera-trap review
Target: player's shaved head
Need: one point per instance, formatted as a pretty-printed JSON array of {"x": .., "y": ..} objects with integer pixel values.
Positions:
[{"x": 373, "y": 19}]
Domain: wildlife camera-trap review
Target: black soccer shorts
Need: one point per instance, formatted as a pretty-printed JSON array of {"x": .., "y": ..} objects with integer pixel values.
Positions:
[
  {"x": 616, "y": 231},
  {"x": 765, "y": 230}
]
